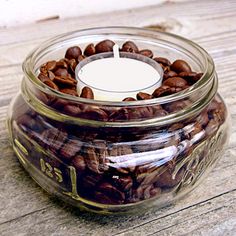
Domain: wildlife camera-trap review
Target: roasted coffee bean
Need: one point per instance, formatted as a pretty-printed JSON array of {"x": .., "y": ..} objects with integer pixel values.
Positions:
[
  {"x": 61, "y": 73},
  {"x": 93, "y": 113},
  {"x": 43, "y": 69},
  {"x": 87, "y": 93},
  {"x": 70, "y": 148},
  {"x": 180, "y": 66},
  {"x": 81, "y": 58},
  {"x": 164, "y": 90},
  {"x": 112, "y": 192},
  {"x": 121, "y": 114},
  {"x": 90, "y": 50},
  {"x": 129, "y": 99},
  {"x": 104, "y": 46},
  {"x": 73, "y": 52},
  {"x": 175, "y": 82},
  {"x": 51, "y": 84},
  {"x": 197, "y": 77},
  {"x": 69, "y": 91},
  {"x": 79, "y": 163},
  {"x": 62, "y": 63},
  {"x": 143, "y": 96},
  {"x": 140, "y": 112},
  {"x": 129, "y": 46},
  {"x": 96, "y": 157},
  {"x": 159, "y": 112},
  {"x": 65, "y": 81},
  {"x": 51, "y": 65},
  {"x": 72, "y": 65},
  {"x": 70, "y": 109},
  {"x": 51, "y": 75},
  {"x": 146, "y": 53},
  {"x": 162, "y": 60},
  {"x": 169, "y": 74},
  {"x": 125, "y": 183},
  {"x": 43, "y": 77},
  {"x": 165, "y": 68},
  {"x": 187, "y": 75}
]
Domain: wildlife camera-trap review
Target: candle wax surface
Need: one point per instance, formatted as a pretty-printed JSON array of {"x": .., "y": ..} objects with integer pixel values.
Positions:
[{"x": 116, "y": 78}]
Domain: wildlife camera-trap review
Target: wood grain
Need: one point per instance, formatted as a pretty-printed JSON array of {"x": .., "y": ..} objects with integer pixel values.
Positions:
[{"x": 25, "y": 209}]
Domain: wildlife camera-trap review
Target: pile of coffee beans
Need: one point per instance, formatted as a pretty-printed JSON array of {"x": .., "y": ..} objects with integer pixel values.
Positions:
[
  {"x": 60, "y": 75},
  {"x": 124, "y": 165},
  {"x": 119, "y": 165}
]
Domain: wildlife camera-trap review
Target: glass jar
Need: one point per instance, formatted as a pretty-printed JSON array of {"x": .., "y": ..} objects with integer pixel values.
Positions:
[{"x": 119, "y": 156}]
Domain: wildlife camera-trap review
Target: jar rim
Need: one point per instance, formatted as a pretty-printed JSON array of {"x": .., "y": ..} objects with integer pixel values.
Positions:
[
  {"x": 207, "y": 74},
  {"x": 209, "y": 77}
]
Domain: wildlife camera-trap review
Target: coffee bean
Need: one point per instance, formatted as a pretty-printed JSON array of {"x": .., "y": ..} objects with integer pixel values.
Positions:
[
  {"x": 65, "y": 81},
  {"x": 143, "y": 96},
  {"x": 146, "y": 53},
  {"x": 164, "y": 90},
  {"x": 87, "y": 93},
  {"x": 112, "y": 192},
  {"x": 71, "y": 109},
  {"x": 62, "y": 64},
  {"x": 51, "y": 65},
  {"x": 129, "y": 46},
  {"x": 121, "y": 114},
  {"x": 104, "y": 46},
  {"x": 93, "y": 113},
  {"x": 80, "y": 58},
  {"x": 124, "y": 183},
  {"x": 72, "y": 92},
  {"x": 51, "y": 84},
  {"x": 169, "y": 74},
  {"x": 175, "y": 82},
  {"x": 79, "y": 163},
  {"x": 43, "y": 77},
  {"x": 129, "y": 99},
  {"x": 180, "y": 66},
  {"x": 162, "y": 60},
  {"x": 61, "y": 73},
  {"x": 72, "y": 65},
  {"x": 51, "y": 75},
  {"x": 90, "y": 50},
  {"x": 73, "y": 52}
]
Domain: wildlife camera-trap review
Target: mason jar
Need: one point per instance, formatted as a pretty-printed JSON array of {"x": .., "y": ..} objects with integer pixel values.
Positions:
[{"x": 113, "y": 157}]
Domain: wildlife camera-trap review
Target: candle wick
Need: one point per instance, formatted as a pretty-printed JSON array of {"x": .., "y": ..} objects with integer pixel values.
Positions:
[{"x": 116, "y": 51}]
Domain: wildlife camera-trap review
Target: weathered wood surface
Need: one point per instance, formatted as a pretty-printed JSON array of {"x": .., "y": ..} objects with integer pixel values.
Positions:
[{"x": 25, "y": 209}]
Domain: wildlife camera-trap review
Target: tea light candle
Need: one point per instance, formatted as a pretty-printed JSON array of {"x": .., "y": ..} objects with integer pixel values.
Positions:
[{"x": 114, "y": 76}]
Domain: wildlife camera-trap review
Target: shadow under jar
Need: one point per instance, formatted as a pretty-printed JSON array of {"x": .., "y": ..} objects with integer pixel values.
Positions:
[{"x": 111, "y": 157}]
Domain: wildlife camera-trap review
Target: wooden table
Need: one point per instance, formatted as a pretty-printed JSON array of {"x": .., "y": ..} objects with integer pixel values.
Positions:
[{"x": 25, "y": 209}]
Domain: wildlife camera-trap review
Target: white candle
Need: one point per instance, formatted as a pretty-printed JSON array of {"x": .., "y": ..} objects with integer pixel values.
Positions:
[{"x": 114, "y": 78}]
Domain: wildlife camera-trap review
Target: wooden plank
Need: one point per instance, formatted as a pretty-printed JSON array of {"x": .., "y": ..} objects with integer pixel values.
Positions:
[{"x": 25, "y": 209}]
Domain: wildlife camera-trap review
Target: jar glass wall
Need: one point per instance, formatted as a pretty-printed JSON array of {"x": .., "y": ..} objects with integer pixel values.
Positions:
[{"x": 119, "y": 156}]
